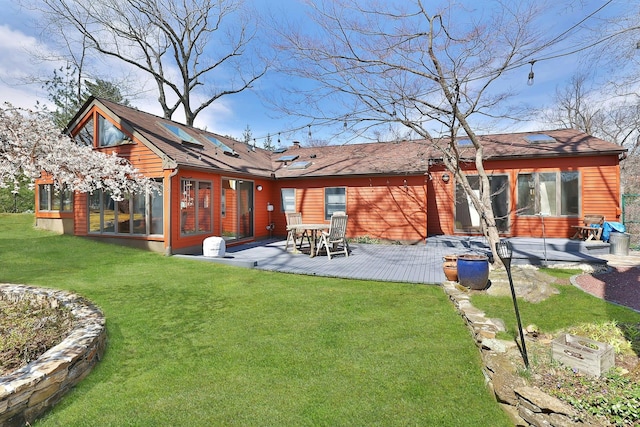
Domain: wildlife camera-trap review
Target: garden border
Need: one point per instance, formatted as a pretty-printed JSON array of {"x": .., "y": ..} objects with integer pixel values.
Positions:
[
  {"x": 30, "y": 391},
  {"x": 525, "y": 405}
]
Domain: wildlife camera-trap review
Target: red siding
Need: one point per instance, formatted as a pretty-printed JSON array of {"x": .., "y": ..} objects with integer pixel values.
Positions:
[
  {"x": 81, "y": 214},
  {"x": 392, "y": 208},
  {"x": 600, "y": 194},
  {"x": 139, "y": 155},
  {"x": 378, "y": 207}
]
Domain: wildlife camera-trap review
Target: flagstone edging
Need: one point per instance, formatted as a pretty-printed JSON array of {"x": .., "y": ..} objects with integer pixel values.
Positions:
[
  {"x": 527, "y": 406},
  {"x": 29, "y": 392}
]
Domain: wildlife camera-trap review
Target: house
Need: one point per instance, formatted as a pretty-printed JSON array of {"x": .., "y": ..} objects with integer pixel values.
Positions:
[{"x": 395, "y": 191}]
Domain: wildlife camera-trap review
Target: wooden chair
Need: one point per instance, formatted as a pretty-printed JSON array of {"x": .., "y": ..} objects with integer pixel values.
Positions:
[
  {"x": 335, "y": 241},
  {"x": 295, "y": 218},
  {"x": 591, "y": 228}
]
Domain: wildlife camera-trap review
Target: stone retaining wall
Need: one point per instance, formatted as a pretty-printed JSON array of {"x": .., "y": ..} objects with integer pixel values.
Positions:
[
  {"x": 27, "y": 393},
  {"x": 527, "y": 406}
]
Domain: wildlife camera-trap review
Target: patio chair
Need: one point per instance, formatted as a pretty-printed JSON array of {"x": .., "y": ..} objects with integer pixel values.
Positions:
[
  {"x": 591, "y": 228},
  {"x": 295, "y": 218},
  {"x": 334, "y": 241}
]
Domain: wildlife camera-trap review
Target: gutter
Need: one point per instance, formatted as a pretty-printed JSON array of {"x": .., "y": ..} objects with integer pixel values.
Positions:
[{"x": 168, "y": 250}]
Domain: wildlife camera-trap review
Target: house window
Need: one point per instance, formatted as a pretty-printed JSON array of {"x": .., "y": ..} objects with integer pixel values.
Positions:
[
  {"x": 108, "y": 134},
  {"x": 136, "y": 214},
  {"x": 52, "y": 199},
  {"x": 288, "y": 199},
  {"x": 468, "y": 218},
  {"x": 549, "y": 193},
  {"x": 335, "y": 200},
  {"x": 195, "y": 207},
  {"x": 85, "y": 134}
]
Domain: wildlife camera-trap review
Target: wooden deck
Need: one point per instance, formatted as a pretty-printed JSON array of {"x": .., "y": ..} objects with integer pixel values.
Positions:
[{"x": 402, "y": 263}]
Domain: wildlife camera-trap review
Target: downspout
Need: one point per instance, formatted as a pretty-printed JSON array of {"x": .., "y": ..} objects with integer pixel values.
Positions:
[{"x": 168, "y": 251}]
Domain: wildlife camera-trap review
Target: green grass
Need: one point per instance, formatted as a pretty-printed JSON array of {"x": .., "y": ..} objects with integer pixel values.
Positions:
[
  {"x": 570, "y": 307},
  {"x": 203, "y": 344}
]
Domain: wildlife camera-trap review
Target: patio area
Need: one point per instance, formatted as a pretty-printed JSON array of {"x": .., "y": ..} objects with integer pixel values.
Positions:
[{"x": 403, "y": 263}]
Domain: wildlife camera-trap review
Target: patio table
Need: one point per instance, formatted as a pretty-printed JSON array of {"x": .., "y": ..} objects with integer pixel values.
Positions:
[
  {"x": 585, "y": 233},
  {"x": 312, "y": 232}
]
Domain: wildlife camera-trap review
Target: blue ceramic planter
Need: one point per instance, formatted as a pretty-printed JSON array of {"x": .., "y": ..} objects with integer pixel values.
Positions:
[{"x": 473, "y": 271}]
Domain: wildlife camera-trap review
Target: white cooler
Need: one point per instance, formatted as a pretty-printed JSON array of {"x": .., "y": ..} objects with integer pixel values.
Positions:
[{"x": 213, "y": 246}]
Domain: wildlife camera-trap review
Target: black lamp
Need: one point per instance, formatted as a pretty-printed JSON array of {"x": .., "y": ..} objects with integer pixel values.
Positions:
[{"x": 505, "y": 252}]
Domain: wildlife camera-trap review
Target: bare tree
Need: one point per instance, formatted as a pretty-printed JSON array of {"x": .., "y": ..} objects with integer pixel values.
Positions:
[
  {"x": 407, "y": 64},
  {"x": 598, "y": 111},
  {"x": 574, "y": 107},
  {"x": 192, "y": 49}
]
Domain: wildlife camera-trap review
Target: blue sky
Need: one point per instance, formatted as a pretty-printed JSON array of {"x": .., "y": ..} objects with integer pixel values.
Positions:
[{"x": 232, "y": 114}]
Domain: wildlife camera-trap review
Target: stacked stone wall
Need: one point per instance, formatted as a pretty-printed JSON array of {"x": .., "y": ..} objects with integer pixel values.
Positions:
[
  {"x": 29, "y": 392},
  {"x": 527, "y": 406}
]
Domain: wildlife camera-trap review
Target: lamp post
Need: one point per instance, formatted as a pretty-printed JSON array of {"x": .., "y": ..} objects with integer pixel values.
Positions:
[{"x": 503, "y": 248}]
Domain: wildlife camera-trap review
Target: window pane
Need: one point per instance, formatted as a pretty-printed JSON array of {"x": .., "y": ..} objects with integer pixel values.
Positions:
[
  {"x": 288, "y": 200},
  {"x": 188, "y": 208},
  {"x": 94, "y": 212},
  {"x": 44, "y": 195},
  {"x": 138, "y": 221},
  {"x": 467, "y": 217},
  {"x": 124, "y": 215},
  {"x": 156, "y": 218},
  {"x": 548, "y": 193},
  {"x": 334, "y": 201},
  {"x": 66, "y": 200},
  {"x": 55, "y": 200},
  {"x": 85, "y": 136},
  {"x": 108, "y": 134},
  {"x": 526, "y": 194},
  {"x": 500, "y": 200},
  {"x": 570, "y": 200},
  {"x": 204, "y": 206},
  {"x": 109, "y": 213}
]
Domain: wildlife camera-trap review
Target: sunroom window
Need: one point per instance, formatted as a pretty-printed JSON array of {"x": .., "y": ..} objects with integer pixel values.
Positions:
[
  {"x": 549, "y": 193},
  {"x": 108, "y": 134},
  {"x": 85, "y": 134},
  {"x": 53, "y": 199},
  {"x": 136, "y": 214}
]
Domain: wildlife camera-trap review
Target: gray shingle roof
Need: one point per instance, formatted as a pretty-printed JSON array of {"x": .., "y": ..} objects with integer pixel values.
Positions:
[{"x": 406, "y": 157}]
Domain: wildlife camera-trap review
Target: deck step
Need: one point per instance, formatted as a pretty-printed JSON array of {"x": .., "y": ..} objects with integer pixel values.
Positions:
[
  {"x": 540, "y": 257},
  {"x": 560, "y": 245},
  {"x": 534, "y": 251}
]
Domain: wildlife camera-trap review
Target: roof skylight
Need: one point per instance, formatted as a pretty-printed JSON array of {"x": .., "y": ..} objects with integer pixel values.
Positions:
[
  {"x": 464, "y": 142},
  {"x": 539, "y": 138},
  {"x": 300, "y": 165},
  {"x": 287, "y": 158},
  {"x": 225, "y": 148},
  {"x": 184, "y": 136}
]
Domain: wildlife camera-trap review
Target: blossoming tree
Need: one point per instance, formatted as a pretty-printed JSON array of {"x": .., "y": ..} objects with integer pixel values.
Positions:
[{"x": 32, "y": 147}]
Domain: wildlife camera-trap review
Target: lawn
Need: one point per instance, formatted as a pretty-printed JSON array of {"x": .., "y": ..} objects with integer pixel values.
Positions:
[
  {"x": 194, "y": 343},
  {"x": 570, "y": 307}
]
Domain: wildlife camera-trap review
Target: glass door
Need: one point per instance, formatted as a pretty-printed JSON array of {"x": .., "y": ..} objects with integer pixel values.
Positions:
[
  {"x": 468, "y": 218},
  {"x": 237, "y": 209}
]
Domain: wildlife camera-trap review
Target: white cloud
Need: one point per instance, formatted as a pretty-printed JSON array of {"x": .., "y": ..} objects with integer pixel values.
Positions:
[{"x": 17, "y": 68}]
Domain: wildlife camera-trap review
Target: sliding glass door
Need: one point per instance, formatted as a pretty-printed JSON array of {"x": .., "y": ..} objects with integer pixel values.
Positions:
[{"x": 237, "y": 209}]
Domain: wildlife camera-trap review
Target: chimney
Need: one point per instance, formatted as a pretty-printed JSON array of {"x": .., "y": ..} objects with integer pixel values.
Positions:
[{"x": 296, "y": 144}]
